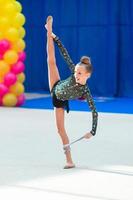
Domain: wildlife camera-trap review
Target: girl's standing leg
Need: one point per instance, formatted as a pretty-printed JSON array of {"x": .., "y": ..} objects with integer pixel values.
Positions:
[{"x": 60, "y": 114}]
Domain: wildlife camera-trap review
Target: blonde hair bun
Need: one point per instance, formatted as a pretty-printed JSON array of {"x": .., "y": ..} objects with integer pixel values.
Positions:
[{"x": 85, "y": 60}]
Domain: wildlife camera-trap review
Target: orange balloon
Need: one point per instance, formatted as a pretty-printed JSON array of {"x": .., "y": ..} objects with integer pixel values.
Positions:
[
  {"x": 4, "y": 68},
  {"x": 4, "y": 23},
  {"x": 1, "y": 35},
  {"x": 1, "y": 79},
  {"x": 11, "y": 57}
]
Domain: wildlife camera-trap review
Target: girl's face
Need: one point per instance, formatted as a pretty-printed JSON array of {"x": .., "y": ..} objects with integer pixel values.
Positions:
[{"x": 80, "y": 74}]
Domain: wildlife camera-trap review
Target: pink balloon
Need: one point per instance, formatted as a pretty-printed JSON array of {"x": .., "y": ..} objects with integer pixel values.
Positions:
[
  {"x": 10, "y": 79},
  {"x": 22, "y": 56},
  {"x": 3, "y": 89},
  {"x": 18, "y": 67},
  {"x": 4, "y": 46},
  {"x": 21, "y": 100},
  {"x": 0, "y": 101}
]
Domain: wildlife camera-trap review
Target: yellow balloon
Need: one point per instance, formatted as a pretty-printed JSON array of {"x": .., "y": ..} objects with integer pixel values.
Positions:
[
  {"x": 18, "y": 6},
  {"x": 21, "y": 77},
  {"x": 4, "y": 68},
  {"x": 17, "y": 89},
  {"x": 1, "y": 35},
  {"x": 12, "y": 34},
  {"x": 21, "y": 32},
  {"x": 11, "y": 57},
  {"x": 3, "y": 2},
  {"x": 9, "y": 100},
  {"x": 10, "y": 9},
  {"x": 19, "y": 45},
  {"x": 4, "y": 23},
  {"x": 19, "y": 20}
]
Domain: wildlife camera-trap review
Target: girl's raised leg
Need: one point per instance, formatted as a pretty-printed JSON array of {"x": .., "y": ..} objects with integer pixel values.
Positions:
[{"x": 53, "y": 73}]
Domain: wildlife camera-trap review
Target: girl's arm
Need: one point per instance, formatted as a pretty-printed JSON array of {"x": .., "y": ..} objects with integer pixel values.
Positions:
[
  {"x": 64, "y": 52},
  {"x": 94, "y": 112}
]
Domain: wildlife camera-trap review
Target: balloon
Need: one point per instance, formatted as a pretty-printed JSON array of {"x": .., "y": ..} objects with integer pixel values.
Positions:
[
  {"x": 4, "y": 46},
  {"x": 10, "y": 9},
  {"x": 10, "y": 79},
  {"x": 3, "y": 89},
  {"x": 9, "y": 100},
  {"x": 12, "y": 34},
  {"x": 19, "y": 20},
  {"x": 4, "y": 23},
  {"x": 0, "y": 101},
  {"x": 4, "y": 68},
  {"x": 5, "y": 1},
  {"x": 18, "y": 67},
  {"x": 1, "y": 35},
  {"x": 19, "y": 45},
  {"x": 11, "y": 57},
  {"x": 21, "y": 32},
  {"x": 1, "y": 56},
  {"x": 22, "y": 56},
  {"x": 21, "y": 77},
  {"x": 21, "y": 100},
  {"x": 18, "y": 6},
  {"x": 17, "y": 89},
  {"x": 1, "y": 79},
  {"x": 12, "y": 54}
]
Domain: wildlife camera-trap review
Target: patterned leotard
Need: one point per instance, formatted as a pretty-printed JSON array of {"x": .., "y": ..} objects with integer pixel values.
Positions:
[{"x": 68, "y": 89}]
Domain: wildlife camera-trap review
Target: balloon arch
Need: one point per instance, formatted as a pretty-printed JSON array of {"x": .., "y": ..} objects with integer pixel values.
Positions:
[{"x": 12, "y": 54}]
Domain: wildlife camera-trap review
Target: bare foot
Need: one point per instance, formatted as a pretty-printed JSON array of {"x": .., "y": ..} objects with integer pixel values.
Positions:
[
  {"x": 69, "y": 166},
  {"x": 69, "y": 161},
  {"x": 49, "y": 23},
  {"x": 49, "y": 18}
]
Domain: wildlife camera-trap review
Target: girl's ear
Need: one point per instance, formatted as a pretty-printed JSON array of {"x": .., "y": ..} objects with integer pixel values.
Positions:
[{"x": 88, "y": 75}]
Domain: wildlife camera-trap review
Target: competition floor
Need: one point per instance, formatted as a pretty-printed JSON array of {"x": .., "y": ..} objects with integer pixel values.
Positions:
[{"x": 31, "y": 156}]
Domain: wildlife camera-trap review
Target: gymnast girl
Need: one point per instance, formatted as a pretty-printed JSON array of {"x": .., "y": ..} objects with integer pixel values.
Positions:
[{"x": 74, "y": 87}]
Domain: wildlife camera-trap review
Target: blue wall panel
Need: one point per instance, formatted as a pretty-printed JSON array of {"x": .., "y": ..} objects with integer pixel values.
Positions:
[{"x": 101, "y": 29}]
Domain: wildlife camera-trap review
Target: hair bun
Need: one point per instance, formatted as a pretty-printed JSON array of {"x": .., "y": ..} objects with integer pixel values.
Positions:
[{"x": 85, "y": 60}]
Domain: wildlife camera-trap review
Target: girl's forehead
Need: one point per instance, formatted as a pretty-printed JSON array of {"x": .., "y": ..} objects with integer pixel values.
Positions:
[{"x": 79, "y": 68}]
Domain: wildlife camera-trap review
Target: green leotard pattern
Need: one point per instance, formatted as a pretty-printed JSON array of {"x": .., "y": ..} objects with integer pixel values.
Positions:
[{"x": 68, "y": 89}]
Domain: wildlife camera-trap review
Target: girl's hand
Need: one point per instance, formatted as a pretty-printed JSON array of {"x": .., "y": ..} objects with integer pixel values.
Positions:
[{"x": 88, "y": 135}]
